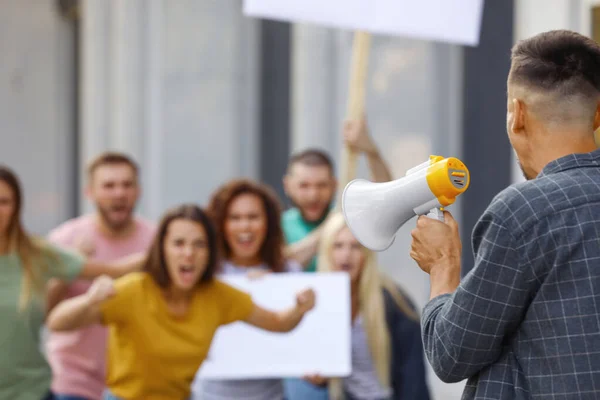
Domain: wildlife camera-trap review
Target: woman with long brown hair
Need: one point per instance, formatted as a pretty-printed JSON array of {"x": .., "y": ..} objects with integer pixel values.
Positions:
[
  {"x": 163, "y": 319},
  {"x": 247, "y": 215},
  {"x": 27, "y": 264}
]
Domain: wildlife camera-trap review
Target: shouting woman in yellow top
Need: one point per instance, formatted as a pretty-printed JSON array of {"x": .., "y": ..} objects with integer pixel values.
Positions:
[{"x": 163, "y": 319}]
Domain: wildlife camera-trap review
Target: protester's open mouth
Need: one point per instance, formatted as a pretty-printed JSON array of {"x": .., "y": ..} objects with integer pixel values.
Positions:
[
  {"x": 314, "y": 208},
  {"x": 120, "y": 210},
  {"x": 245, "y": 239},
  {"x": 345, "y": 267},
  {"x": 187, "y": 273}
]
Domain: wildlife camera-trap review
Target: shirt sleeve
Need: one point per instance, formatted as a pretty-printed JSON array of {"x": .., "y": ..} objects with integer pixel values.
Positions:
[
  {"x": 61, "y": 237},
  {"x": 464, "y": 332},
  {"x": 118, "y": 308},
  {"x": 236, "y": 305},
  {"x": 63, "y": 264}
]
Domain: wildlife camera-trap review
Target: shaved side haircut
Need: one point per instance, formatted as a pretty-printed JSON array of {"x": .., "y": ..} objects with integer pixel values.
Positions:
[{"x": 558, "y": 75}]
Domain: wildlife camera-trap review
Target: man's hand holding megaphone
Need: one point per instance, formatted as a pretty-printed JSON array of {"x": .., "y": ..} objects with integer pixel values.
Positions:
[{"x": 437, "y": 248}]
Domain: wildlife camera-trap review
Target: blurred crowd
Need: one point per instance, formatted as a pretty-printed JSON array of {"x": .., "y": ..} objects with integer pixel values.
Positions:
[{"x": 132, "y": 305}]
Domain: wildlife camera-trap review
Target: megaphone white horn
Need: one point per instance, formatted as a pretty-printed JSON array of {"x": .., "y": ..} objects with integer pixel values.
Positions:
[{"x": 375, "y": 211}]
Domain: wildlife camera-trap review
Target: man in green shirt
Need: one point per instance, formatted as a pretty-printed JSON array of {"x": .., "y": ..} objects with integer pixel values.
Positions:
[{"x": 311, "y": 185}]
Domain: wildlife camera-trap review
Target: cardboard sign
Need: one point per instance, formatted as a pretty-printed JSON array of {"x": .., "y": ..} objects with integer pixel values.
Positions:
[{"x": 319, "y": 344}]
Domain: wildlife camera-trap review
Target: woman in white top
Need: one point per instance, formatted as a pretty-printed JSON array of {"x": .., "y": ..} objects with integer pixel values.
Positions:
[{"x": 247, "y": 216}]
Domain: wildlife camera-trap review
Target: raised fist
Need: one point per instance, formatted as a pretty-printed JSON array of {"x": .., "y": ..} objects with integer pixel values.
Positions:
[
  {"x": 316, "y": 380},
  {"x": 101, "y": 289},
  {"x": 305, "y": 300},
  {"x": 356, "y": 136}
]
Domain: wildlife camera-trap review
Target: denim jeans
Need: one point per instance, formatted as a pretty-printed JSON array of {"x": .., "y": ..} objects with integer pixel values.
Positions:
[
  {"x": 299, "y": 389},
  {"x": 350, "y": 397},
  {"x": 109, "y": 396},
  {"x": 67, "y": 397}
]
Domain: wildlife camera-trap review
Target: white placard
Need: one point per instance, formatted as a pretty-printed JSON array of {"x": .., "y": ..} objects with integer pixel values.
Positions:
[
  {"x": 452, "y": 21},
  {"x": 319, "y": 344}
]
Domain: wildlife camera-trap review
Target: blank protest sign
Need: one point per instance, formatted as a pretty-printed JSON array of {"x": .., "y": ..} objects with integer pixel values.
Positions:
[
  {"x": 452, "y": 21},
  {"x": 319, "y": 344}
]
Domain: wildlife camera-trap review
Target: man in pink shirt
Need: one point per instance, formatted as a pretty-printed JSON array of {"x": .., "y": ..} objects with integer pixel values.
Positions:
[{"x": 78, "y": 358}]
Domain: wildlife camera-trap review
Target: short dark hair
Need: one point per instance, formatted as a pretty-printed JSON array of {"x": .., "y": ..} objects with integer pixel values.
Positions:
[
  {"x": 312, "y": 157},
  {"x": 111, "y": 158},
  {"x": 558, "y": 60},
  {"x": 271, "y": 251},
  {"x": 156, "y": 265}
]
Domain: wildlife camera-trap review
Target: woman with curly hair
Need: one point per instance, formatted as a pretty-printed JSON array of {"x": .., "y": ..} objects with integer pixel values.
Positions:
[{"x": 247, "y": 216}]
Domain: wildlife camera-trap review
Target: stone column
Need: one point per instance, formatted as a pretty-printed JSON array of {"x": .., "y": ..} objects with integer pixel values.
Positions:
[{"x": 314, "y": 80}]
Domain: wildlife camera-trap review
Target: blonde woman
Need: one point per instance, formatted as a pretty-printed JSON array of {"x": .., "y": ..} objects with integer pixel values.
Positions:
[{"x": 387, "y": 353}]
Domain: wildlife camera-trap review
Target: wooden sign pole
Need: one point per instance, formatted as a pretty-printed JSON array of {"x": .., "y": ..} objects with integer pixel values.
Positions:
[{"x": 356, "y": 105}]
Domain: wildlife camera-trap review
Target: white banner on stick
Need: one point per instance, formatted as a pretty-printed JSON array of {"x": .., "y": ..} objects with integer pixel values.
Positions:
[{"x": 452, "y": 21}]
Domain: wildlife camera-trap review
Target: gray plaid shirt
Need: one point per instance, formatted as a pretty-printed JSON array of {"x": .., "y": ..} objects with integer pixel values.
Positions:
[{"x": 525, "y": 321}]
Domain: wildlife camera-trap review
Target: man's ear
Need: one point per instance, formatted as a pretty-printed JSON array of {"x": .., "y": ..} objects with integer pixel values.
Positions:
[
  {"x": 597, "y": 118},
  {"x": 518, "y": 122}
]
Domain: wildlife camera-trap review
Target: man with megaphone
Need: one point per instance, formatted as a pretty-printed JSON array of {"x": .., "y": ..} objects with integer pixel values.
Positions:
[{"x": 525, "y": 321}]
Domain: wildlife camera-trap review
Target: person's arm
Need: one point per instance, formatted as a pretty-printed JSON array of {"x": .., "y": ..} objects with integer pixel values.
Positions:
[
  {"x": 81, "y": 245},
  {"x": 356, "y": 136},
  {"x": 282, "y": 321},
  {"x": 464, "y": 327},
  {"x": 92, "y": 269},
  {"x": 56, "y": 291},
  {"x": 83, "y": 310},
  {"x": 74, "y": 266},
  {"x": 304, "y": 250},
  {"x": 378, "y": 167}
]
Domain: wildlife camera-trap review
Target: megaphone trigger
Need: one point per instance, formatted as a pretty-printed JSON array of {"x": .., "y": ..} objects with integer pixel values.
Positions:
[
  {"x": 374, "y": 212},
  {"x": 436, "y": 213}
]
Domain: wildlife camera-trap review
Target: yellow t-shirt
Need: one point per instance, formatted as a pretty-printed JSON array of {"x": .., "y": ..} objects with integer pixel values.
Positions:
[{"x": 153, "y": 354}]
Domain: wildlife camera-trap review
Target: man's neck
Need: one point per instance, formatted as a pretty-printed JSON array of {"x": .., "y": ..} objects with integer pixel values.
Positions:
[
  {"x": 555, "y": 149},
  {"x": 108, "y": 231},
  {"x": 318, "y": 221}
]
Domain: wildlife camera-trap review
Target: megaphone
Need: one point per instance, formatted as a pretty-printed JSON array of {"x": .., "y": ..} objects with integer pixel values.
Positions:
[{"x": 375, "y": 211}]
